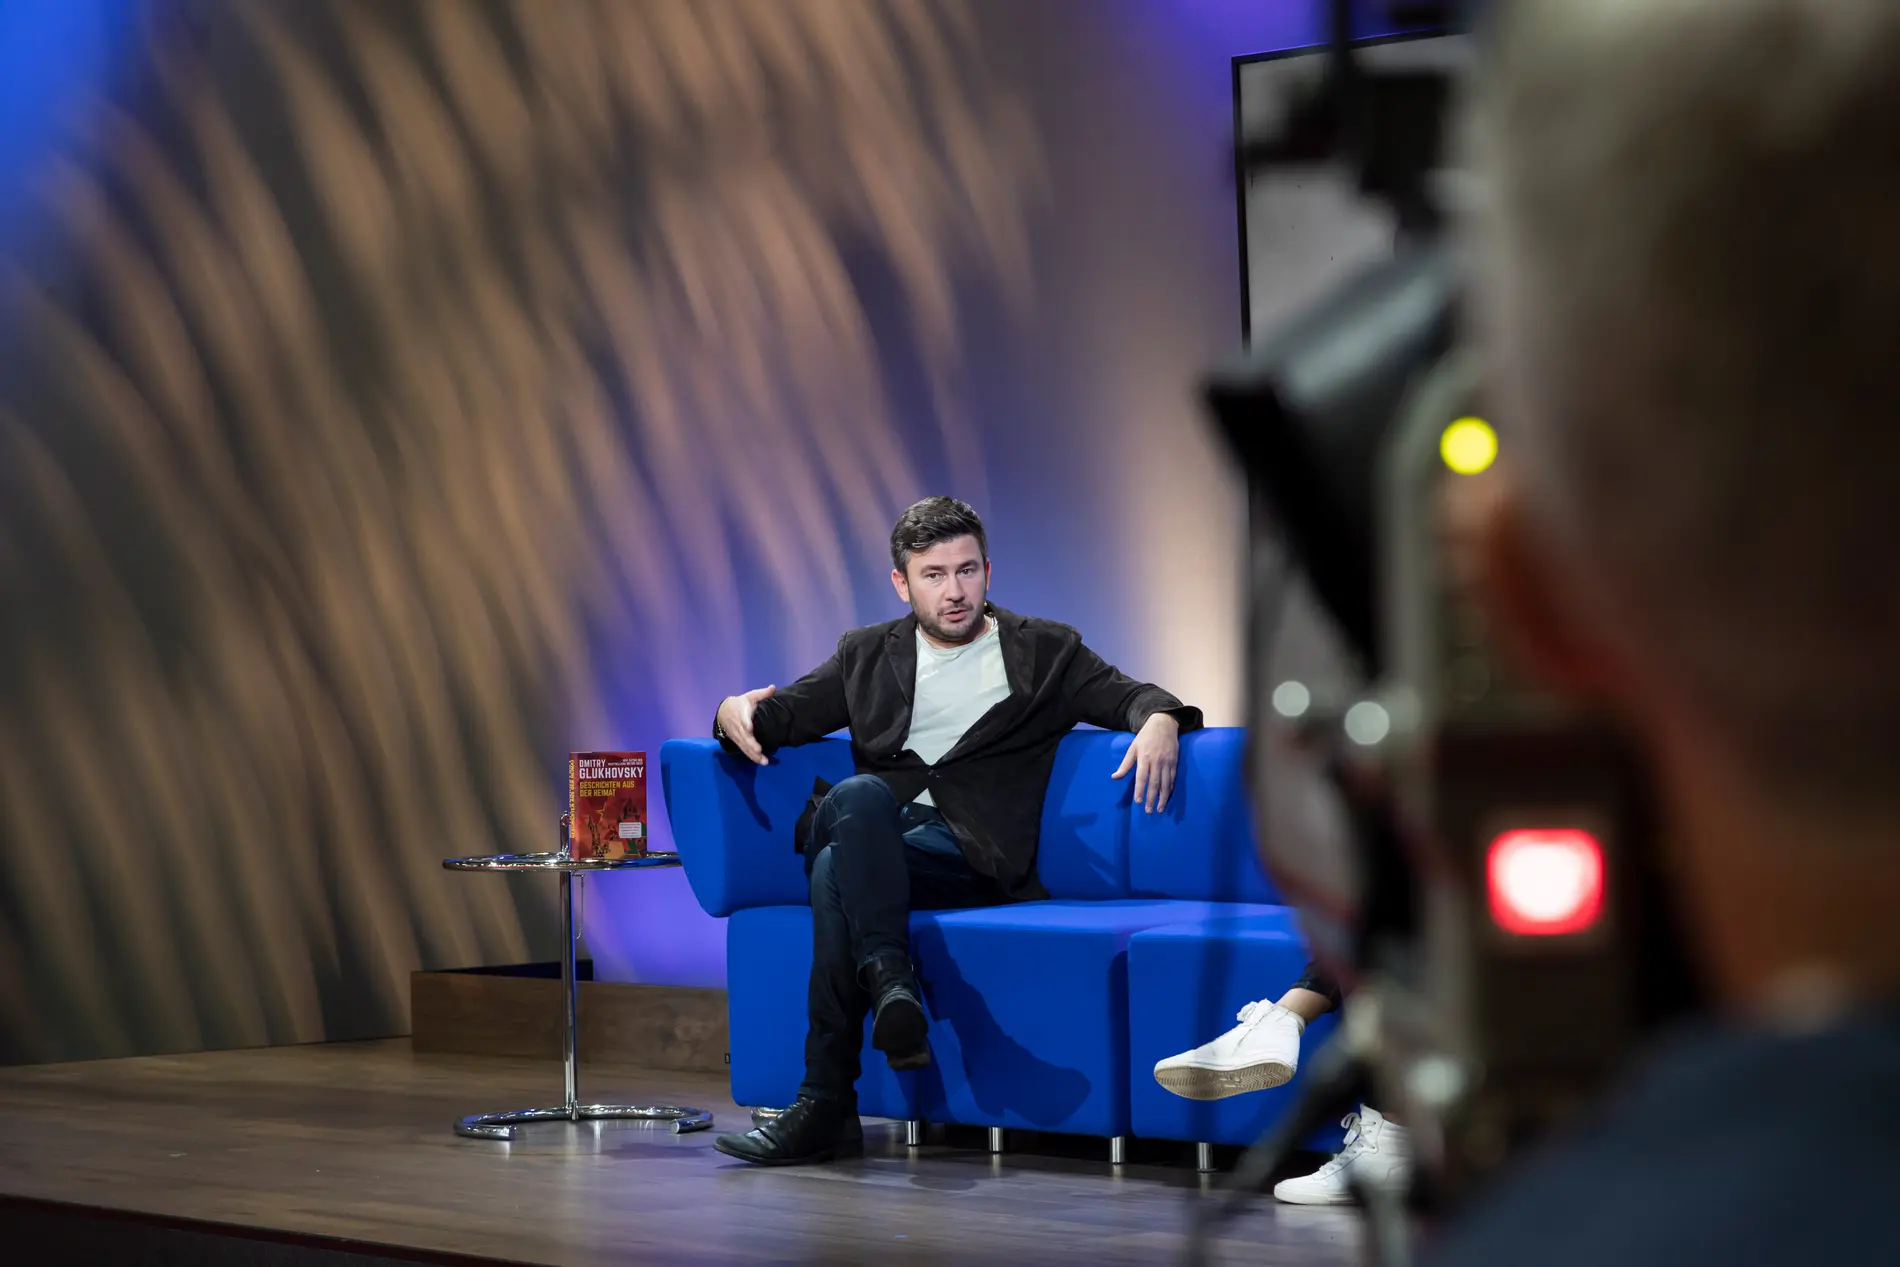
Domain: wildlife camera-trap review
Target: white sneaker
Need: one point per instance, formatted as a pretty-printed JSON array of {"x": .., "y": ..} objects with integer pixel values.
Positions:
[
  {"x": 1260, "y": 1052},
  {"x": 1376, "y": 1152}
]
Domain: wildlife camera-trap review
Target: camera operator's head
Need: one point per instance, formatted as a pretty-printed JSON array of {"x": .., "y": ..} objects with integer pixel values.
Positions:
[{"x": 1692, "y": 303}]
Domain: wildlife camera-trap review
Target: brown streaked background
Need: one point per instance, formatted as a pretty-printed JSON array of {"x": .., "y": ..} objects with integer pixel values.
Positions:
[{"x": 395, "y": 395}]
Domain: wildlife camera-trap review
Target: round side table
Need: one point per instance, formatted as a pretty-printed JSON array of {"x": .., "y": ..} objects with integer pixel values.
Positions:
[{"x": 502, "y": 1125}]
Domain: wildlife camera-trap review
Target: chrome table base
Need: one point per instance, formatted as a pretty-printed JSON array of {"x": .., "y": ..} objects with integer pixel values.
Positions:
[
  {"x": 506, "y": 1125},
  {"x": 502, "y": 1125}
]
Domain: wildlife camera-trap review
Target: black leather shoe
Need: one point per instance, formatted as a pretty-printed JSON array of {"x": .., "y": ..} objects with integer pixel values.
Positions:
[
  {"x": 900, "y": 1029},
  {"x": 810, "y": 1131}
]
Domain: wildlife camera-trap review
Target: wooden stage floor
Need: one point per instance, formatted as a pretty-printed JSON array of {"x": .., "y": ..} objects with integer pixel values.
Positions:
[{"x": 353, "y": 1141}]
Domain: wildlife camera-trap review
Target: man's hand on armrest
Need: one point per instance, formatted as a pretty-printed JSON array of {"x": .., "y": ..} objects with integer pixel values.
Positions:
[
  {"x": 1154, "y": 756},
  {"x": 733, "y": 722}
]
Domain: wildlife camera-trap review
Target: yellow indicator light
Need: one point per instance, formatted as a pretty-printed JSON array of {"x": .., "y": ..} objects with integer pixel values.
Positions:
[{"x": 1469, "y": 446}]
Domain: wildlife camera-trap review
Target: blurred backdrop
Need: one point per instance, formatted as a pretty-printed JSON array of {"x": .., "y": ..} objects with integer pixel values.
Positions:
[{"x": 394, "y": 396}]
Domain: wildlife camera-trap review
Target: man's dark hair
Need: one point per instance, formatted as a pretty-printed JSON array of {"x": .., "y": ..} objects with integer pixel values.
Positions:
[{"x": 930, "y": 521}]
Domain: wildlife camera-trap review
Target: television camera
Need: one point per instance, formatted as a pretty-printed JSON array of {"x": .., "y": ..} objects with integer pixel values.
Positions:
[{"x": 1496, "y": 909}]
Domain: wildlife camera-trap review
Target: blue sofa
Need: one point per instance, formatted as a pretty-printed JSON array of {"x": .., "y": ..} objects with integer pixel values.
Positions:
[{"x": 1046, "y": 1016}]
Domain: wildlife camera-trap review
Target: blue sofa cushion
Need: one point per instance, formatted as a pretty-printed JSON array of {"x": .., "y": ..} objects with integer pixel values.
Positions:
[
  {"x": 1186, "y": 982},
  {"x": 1083, "y": 852},
  {"x": 1029, "y": 1012},
  {"x": 1028, "y": 1005},
  {"x": 732, "y": 821},
  {"x": 1202, "y": 846}
]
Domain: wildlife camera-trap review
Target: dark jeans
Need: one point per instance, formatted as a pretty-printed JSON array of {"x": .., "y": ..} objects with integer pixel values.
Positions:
[
  {"x": 876, "y": 863},
  {"x": 1319, "y": 983}
]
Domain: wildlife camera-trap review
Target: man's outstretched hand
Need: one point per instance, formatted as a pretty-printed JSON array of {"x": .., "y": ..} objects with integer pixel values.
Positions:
[
  {"x": 1154, "y": 757},
  {"x": 735, "y": 719}
]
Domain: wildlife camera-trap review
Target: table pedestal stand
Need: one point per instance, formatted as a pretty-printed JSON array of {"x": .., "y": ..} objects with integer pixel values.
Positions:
[{"x": 505, "y": 1125}]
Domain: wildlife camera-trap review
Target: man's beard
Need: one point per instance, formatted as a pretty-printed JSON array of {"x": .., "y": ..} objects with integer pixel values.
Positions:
[{"x": 938, "y": 633}]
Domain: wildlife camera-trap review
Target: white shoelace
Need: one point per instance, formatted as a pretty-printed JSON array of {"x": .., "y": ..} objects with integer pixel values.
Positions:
[
  {"x": 1350, "y": 1148},
  {"x": 1254, "y": 1013}
]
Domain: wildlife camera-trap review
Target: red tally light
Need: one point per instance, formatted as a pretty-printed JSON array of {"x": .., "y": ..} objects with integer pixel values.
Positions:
[{"x": 1545, "y": 882}]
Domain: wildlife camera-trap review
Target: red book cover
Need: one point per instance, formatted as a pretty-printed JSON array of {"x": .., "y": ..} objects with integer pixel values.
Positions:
[{"x": 606, "y": 804}]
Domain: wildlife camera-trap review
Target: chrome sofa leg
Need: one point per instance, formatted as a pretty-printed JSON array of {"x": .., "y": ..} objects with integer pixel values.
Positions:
[
  {"x": 1117, "y": 1150},
  {"x": 1204, "y": 1158},
  {"x": 914, "y": 1133},
  {"x": 996, "y": 1139}
]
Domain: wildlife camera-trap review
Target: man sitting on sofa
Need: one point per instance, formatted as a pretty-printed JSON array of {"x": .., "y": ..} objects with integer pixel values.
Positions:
[{"x": 955, "y": 712}]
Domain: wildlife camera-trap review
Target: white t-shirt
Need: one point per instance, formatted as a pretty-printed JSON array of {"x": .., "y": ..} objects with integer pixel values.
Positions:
[{"x": 955, "y": 687}]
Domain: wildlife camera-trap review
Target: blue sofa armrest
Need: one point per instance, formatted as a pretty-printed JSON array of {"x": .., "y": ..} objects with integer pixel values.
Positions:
[{"x": 733, "y": 821}]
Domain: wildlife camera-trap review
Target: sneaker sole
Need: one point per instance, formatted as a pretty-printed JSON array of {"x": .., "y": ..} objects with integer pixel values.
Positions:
[
  {"x": 840, "y": 1152},
  {"x": 900, "y": 1030},
  {"x": 1218, "y": 1084},
  {"x": 1317, "y": 1199}
]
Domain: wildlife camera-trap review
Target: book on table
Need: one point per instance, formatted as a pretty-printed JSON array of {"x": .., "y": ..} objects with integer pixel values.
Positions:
[{"x": 607, "y": 804}]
